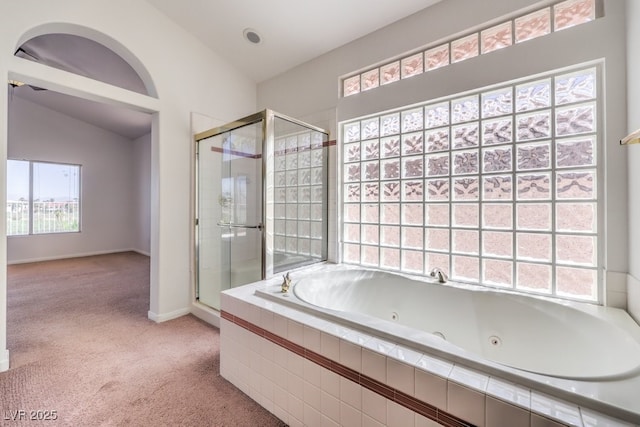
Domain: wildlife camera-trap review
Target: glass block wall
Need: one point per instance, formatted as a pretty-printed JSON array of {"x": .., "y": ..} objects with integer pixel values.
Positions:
[
  {"x": 496, "y": 187},
  {"x": 538, "y": 23},
  {"x": 300, "y": 160}
]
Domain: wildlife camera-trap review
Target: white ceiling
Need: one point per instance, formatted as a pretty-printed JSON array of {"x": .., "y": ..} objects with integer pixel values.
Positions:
[{"x": 292, "y": 32}]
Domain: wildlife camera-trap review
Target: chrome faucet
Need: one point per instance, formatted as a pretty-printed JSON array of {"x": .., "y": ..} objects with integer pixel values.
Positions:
[{"x": 439, "y": 274}]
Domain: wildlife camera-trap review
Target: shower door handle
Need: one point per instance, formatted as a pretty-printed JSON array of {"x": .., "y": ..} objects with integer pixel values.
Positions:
[{"x": 230, "y": 225}]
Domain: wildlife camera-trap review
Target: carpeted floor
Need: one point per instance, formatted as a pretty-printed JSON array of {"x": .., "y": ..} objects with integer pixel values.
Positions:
[{"x": 83, "y": 352}]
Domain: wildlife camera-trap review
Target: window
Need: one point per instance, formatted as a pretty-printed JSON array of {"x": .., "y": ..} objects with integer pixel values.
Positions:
[
  {"x": 42, "y": 198},
  {"x": 566, "y": 14},
  {"x": 496, "y": 187}
]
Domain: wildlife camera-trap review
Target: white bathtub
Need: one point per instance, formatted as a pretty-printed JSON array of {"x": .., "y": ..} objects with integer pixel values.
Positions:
[
  {"x": 531, "y": 334},
  {"x": 580, "y": 353}
]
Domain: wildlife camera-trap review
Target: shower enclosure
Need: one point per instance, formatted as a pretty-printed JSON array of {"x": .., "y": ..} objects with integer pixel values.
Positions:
[{"x": 261, "y": 201}]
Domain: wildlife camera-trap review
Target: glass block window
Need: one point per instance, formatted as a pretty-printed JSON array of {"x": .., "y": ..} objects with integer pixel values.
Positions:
[
  {"x": 464, "y": 48},
  {"x": 412, "y": 65},
  {"x": 533, "y": 25},
  {"x": 497, "y": 187},
  {"x": 573, "y": 12},
  {"x": 497, "y": 37},
  {"x": 566, "y": 14},
  {"x": 299, "y": 159}
]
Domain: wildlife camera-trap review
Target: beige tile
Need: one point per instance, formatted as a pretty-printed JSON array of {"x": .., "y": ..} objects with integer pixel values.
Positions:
[
  {"x": 399, "y": 416},
  {"x": 466, "y": 404},
  {"x": 330, "y": 346},
  {"x": 267, "y": 320},
  {"x": 374, "y": 365},
  {"x": 312, "y": 396},
  {"x": 502, "y": 414},
  {"x": 295, "y": 364},
  {"x": 351, "y": 355},
  {"x": 425, "y": 422},
  {"x": 328, "y": 422},
  {"x": 351, "y": 393},
  {"x": 330, "y": 406},
  {"x": 431, "y": 389},
  {"x": 374, "y": 406},
  {"x": 295, "y": 332},
  {"x": 280, "y": 325},
  {"x": 312, "y": 417},
  {"x": 312, "y": 339},
  {"x": 349, "y": 416},
  {"x": 312, "y": 372},
  {"x": 295, "y": 385},
  {"x": 370, "y": 422},
  {"x": 401, "y": 376},
  {"x": 296, "y": 407},
  {"x": 330, "y": 382}
]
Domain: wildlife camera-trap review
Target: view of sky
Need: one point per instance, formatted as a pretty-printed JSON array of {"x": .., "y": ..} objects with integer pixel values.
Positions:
[{"x": 50, "y": 181}]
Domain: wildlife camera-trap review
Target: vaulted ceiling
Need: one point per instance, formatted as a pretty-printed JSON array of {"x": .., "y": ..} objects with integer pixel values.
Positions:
[
  {"x": 291, "y": 31},
  {"x": 89, "y": 59}
]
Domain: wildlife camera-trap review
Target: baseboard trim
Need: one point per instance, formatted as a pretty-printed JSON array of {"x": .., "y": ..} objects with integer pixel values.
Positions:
[
  {"x": 69, "y": 256},
  {"x": 206, "y": 314},
  {"x": 159, "y": 318},
  {"x": 4, "y": 361}
]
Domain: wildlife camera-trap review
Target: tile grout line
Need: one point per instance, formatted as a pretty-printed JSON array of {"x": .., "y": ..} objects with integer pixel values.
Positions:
[{"x": 413, "y": 404}]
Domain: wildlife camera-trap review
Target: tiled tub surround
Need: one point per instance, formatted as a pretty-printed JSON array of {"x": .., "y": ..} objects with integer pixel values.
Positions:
[{"x": 309, "y": 367}]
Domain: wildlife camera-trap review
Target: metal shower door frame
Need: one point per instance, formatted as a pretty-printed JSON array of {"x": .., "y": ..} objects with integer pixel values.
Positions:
[{"x": 267, "y": 117}]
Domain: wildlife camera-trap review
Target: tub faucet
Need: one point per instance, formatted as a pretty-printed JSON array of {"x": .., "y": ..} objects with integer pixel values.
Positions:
[
  {"x": 286, "y": 284},
  {"x": 439, "y": 274}
]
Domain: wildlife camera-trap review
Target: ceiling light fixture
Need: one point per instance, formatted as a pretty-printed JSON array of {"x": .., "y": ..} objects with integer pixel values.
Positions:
[
  {"x": 252, "y": 36},
  {"x": 15, "y": 83}
]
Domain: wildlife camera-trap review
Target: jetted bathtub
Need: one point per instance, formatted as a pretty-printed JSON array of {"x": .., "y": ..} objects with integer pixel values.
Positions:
[{"x": 563, "y": 340}]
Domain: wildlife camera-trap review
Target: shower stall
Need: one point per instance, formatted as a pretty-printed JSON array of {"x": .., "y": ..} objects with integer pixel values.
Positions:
[{"x": 261, "y": 205}]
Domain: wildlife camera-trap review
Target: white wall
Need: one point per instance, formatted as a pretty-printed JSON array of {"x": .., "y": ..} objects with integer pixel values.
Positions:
[
  {"x": 141, "y": 194},
  {"x": 602, "y": 39},
  {"x": 108, "y": 211},
  {"x": 187, "y": 77},
  {"x": 633, "y": 152},
  {"x": 318, "y": 78}
]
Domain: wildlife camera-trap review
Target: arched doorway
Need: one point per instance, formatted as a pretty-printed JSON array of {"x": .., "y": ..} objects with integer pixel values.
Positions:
[{"x": 114, "y": 103}]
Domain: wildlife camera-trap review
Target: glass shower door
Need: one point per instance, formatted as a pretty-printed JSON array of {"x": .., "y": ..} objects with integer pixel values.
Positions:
[
  {"x": 264, "y": 167},
  {"x": 229, "y": 211}
]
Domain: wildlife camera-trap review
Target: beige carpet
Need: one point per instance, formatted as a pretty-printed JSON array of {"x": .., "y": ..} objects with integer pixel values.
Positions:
[{"x": 81, "y": 345}]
